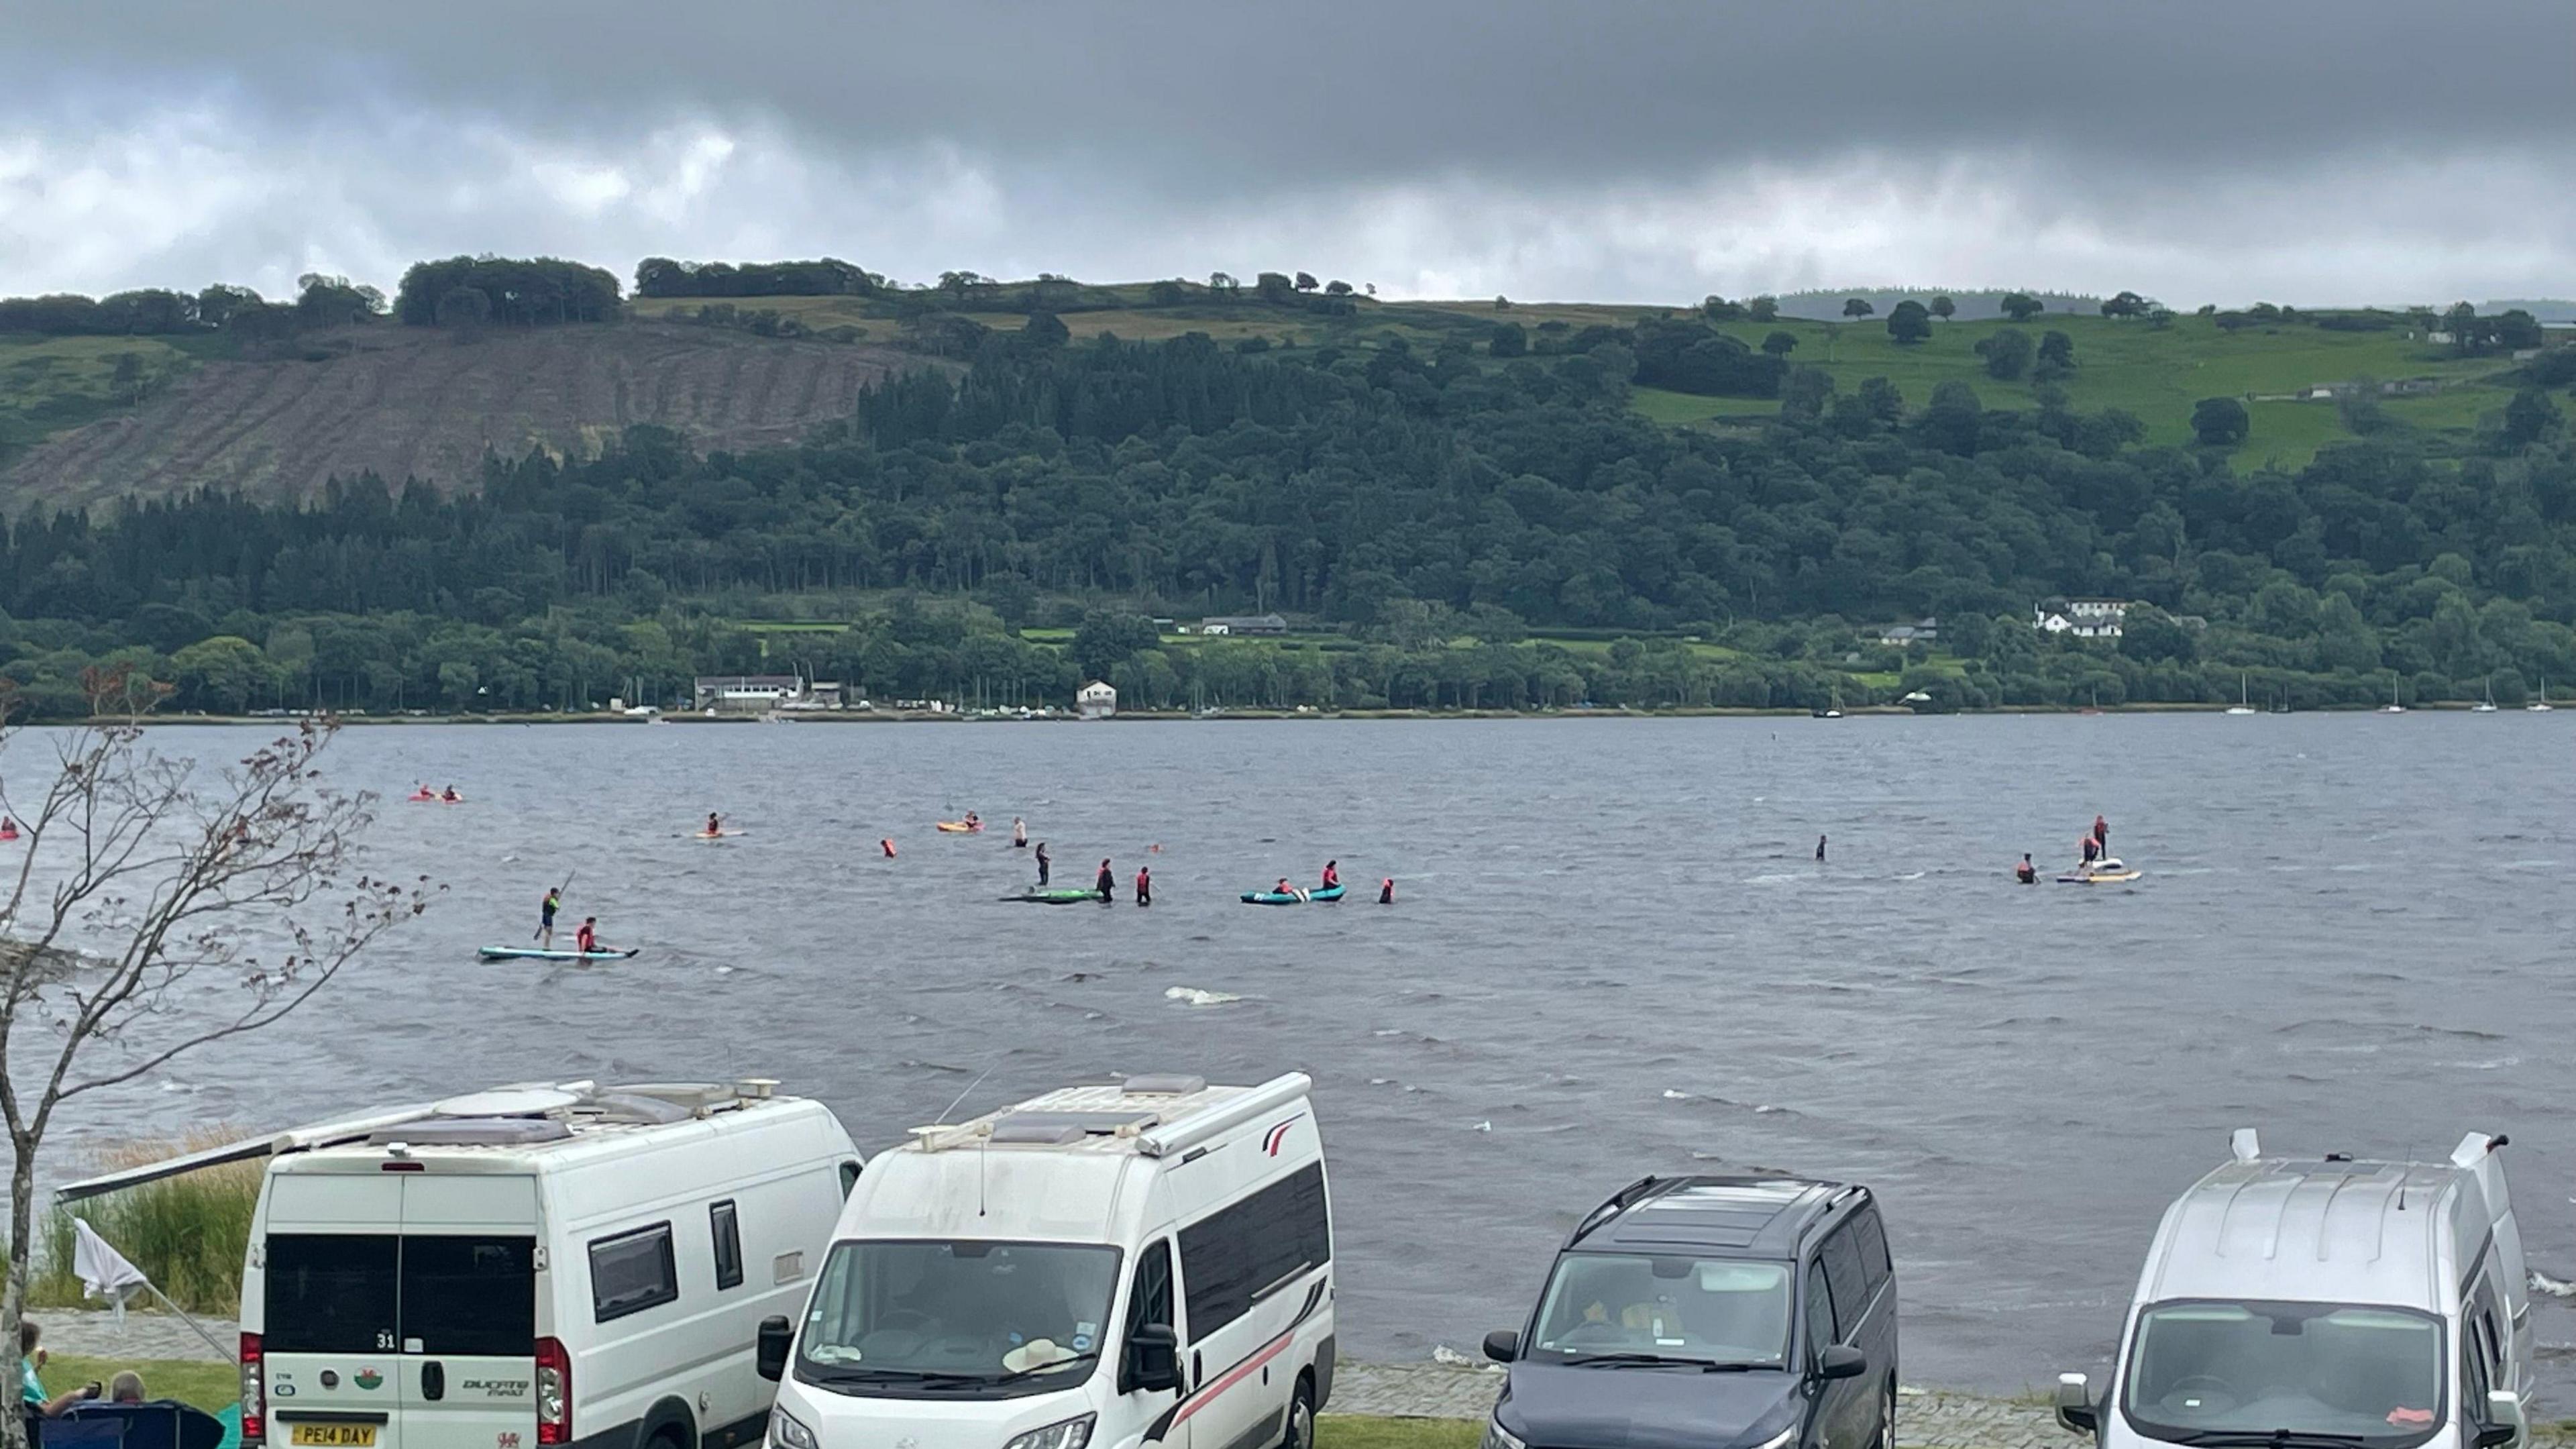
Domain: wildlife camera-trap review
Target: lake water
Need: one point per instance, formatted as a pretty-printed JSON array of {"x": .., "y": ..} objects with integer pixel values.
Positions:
[{"x": 1612, "y": 953}]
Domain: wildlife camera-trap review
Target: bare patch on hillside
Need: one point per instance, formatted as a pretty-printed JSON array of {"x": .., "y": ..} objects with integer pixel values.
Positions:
[{"x": 415, "y": 403}]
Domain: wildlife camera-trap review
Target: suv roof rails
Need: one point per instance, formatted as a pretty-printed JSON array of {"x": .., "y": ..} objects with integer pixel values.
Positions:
[{"x": 1613, "y": 1205}]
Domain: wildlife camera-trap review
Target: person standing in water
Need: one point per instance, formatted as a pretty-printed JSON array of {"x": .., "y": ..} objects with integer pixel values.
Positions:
[
  {"x": 2026, "y": 873},
  {"x": 1820, "y": 847},
  {"x": 1019, "y": 833},
  {"x": 1145, "y": 885},
  {"x": 1386, "y": 891},
  {"x": 1043, "y": 862},
  {"x": 1105, "y": 883},
  {"x": 546, "y": 917}
]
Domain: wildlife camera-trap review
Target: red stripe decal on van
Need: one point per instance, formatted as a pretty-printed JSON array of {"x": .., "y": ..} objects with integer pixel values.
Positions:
[
  {"x": 1235, "y": 1375},
  {"x": 1278, "y": 1135}
]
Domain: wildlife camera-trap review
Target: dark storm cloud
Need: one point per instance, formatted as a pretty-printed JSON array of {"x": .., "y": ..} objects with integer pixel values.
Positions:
[{"x": 1440, "y": 143}]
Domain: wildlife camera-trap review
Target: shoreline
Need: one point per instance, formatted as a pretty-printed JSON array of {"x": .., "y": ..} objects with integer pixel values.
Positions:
[{"x": 953, "y": 717}]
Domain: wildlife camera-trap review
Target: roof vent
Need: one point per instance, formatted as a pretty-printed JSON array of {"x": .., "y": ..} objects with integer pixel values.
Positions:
[
  {"x": 756, "y": 1089},
  {"x": 1038, "y": 1132},
  {"x": 1163, "y": 1084},
  {"x": 472, "y": 1132},
  {"x": 635, "y": 1107},
  {"x": 2247, "y": 1146},
  {"x": 507, "y": 1102}
]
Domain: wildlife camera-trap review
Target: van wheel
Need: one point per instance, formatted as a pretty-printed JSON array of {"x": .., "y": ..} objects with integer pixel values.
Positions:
[
  {"x": 1886, "y": 1418},
  {"x": 1300, "y": 1430},
  {"x": 667, "y": 1437}
]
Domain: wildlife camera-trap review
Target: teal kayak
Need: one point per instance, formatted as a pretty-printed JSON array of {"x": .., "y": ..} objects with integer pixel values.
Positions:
[
  {"x": 1299, "y": 898},
  {"x": 1059, "y": 896},
  {"x": 532, "y": 953}
]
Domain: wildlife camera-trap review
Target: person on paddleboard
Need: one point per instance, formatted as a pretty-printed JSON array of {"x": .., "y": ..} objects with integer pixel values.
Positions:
[
  {"x": 546, "y": 917},
  {"x": 2092, "y": 851},
  {"x": 2102, "y": 834},
  {"x": 1043, "y": 863},
  {"x": 1105, "y": 882},
  {"x": 715, "y": 823},
  {"x": 1019, "y": 833},
  {"x": 972, "y": 823},
  {"x": 2026, "y": 873},
  {"x": 1332, "y": 874},
  {"x": 1145, "y": 885},
  {"x": 586, "y": 940}
]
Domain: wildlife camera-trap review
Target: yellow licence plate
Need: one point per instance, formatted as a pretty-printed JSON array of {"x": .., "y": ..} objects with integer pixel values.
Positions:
[{"x": 335, "y": 1436}]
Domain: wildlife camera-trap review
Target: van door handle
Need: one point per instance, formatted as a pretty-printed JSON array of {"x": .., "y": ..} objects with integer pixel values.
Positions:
[
  {"x": 433, "y": 1381},
  {"x": 1198, "y": 1371}
]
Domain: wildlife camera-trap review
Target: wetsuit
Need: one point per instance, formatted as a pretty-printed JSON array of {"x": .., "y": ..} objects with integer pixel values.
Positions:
[
  {"x": 1105, "y": 883},
  {"x": 2025, "y": 872},
  {"x": 2102, "y": 832},
  {"x": 1820, "y": 847},
  {"x": 1145, "y": 887},
  {"x": 1386, "y": 891},
  {"x": 1042, "y": 864}
]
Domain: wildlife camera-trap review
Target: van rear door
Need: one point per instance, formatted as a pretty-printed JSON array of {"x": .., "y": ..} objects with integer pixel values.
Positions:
[
  {"x": 331, "y": 1283},
  {"x": 469, "y": 1311}
]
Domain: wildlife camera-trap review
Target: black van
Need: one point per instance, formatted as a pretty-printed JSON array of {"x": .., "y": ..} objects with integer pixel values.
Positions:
[{"x": 1710, "y": 1313}]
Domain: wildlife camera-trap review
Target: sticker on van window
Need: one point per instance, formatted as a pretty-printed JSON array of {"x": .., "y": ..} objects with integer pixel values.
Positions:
[{"x": 1082, "y": 1343}]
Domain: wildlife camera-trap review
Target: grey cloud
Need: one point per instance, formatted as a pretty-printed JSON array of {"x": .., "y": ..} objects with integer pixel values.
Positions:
[{"x": 1659, "y": 148}]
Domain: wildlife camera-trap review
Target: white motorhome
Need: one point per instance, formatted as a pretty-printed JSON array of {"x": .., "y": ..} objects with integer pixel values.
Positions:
[
  {"x": 535, "y": 1265},
  {"x": 1099, "y": 1266},
  {"x": 2296, "y": 1303}
]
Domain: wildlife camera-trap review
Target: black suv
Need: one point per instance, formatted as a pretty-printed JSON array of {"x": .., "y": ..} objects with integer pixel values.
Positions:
[{"x": 1710, "y": 1313}]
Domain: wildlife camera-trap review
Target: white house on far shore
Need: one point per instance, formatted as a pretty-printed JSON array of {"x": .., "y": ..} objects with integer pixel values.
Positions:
[
  {"x": 2083, "y": 618},
  {"x": 1096, "y": 700}
]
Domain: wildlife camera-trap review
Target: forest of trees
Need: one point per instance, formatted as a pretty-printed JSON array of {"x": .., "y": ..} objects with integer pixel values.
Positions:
[
  {"x": 830, "y": 277},
  {"x": 511, "y": 291},
  {"x": 1403, "y": 501}
]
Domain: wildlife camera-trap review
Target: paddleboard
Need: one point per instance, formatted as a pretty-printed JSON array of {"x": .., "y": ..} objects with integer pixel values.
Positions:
[
  {"x": 718, "y": 835},
  {"x": 537, "y": 953},
  {"x": 1056, "y": 896},
  {"x": 1273, "y": 898},
  {"x": 960, "y": 827}
]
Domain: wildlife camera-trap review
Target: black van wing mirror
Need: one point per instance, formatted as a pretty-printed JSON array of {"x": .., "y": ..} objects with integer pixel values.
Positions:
[
  {"x": 2505, "y": 1423},
  {"x": 1502, "y": 1345},
  {"x": 1841, "y": 1361},
  {"x": 1153, "y": 1359},
  {"x": 776, "y": 1333}
]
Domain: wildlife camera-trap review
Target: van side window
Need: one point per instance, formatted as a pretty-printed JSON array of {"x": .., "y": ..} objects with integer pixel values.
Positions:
[
  {"x": 849, "y": 1179},
  {"x": 726, "y": 1228},
  {"x": 1874, "y": 1260},
  {"x": 1820, "y": 1312},
  {"x": 1248, "y": 1250},
  {"x": 1840, "y": 1256},
  {"x": 632, "y": 1272},
  {"x": 1149, "y": 1302}
]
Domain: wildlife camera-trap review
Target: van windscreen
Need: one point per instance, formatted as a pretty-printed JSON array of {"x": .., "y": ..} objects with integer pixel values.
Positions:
[
  {"x": 332, "y": 1292},
  {"x": 469, "y": 1296}
]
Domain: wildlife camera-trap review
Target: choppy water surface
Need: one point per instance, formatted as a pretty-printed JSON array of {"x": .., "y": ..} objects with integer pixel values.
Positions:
[{"x": 1612, "y": 954}]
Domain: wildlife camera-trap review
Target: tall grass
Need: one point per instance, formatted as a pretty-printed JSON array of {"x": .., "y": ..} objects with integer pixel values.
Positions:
[{"x": 186, "y": 1233}]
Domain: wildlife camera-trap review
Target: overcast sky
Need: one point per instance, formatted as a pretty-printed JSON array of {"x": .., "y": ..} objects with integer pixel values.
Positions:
[{"x": 2303, "y": 151}]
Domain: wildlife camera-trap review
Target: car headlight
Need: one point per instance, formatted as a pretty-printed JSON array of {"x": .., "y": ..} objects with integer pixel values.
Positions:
[
  {"x": 1781, "y": 1440},
  {"x": 1498, "y": 1437},
  {"x": 1070, "y": 1434},
  {"x": 786, "y": 1433}
]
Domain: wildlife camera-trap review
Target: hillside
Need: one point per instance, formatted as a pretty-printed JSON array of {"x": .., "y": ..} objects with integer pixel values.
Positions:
[{"x": 398, "y": 401}]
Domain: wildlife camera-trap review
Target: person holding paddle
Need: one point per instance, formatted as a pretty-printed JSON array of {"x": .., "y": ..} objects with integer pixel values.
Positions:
[{"x": 546, "y": 916}]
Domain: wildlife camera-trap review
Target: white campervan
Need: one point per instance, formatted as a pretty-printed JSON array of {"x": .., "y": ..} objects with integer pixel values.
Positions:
[
  {"x": 2295, "y": 1302},
  {"x": 535, "y": 1265},
  {"x": 1098, "y": 1266}
]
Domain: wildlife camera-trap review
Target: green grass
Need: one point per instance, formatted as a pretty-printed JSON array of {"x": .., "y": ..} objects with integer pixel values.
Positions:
[
  {"x": 48, "y": 384},
  {"x": 201, "y": 1383},
  {"x": 186, "y": 1233},
  {"x": 1368, "y": 1431}
]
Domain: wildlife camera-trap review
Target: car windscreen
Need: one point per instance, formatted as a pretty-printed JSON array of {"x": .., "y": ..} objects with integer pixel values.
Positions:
[
  {"x": 2364, "y": 1372},
  {"x": 960, "y": 1313},
  {"x": 1704, "y": 1310}
]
